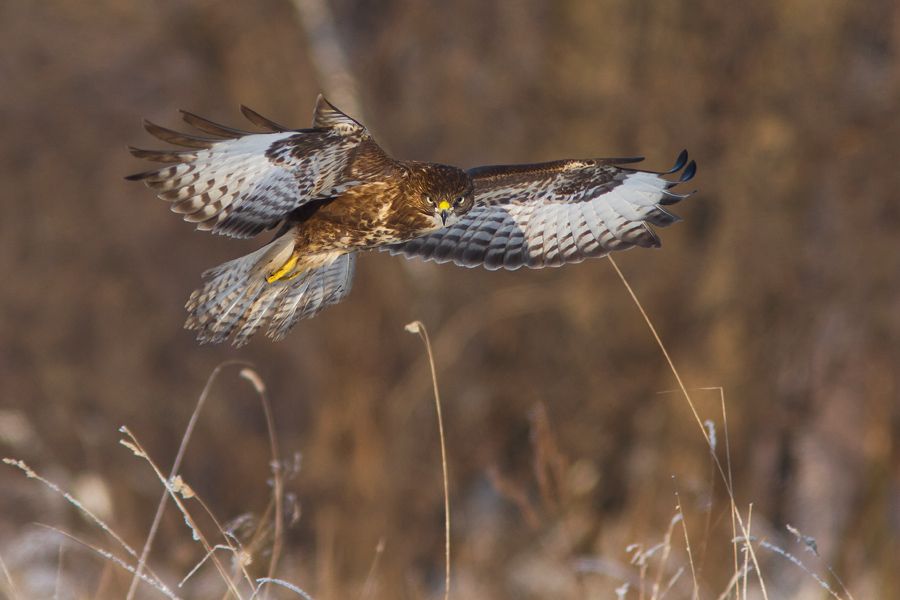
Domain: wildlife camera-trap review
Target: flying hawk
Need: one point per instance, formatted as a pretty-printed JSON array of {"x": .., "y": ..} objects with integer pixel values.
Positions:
[{"x": 332, "y": 192}]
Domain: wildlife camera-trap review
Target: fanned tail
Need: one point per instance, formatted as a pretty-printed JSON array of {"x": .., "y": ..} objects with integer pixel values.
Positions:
[{"x": 236, "y": 301}]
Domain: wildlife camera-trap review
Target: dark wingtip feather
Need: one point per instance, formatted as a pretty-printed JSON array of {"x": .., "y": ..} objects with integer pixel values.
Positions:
[
  {"x": 141, "y": 176},
  {"x": 679, "y": 162},
  {"x": 689, "y": 172},
  {"x": 326, "y": 115},
  {"x": 624, "y": 160},
  {"x": 207, "y": 126},
  {"x": 648, "y": 238},
  {"x": 660, "y": 217},
  {"x": 179, "y": 139},
  {"x": 261, "y": 121},
  {"x": 165, "y": 156},
  {"x": 671, "y": 198}
]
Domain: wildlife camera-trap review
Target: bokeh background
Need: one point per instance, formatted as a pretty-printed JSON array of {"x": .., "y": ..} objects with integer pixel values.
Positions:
[{"x": 565, "y": 441}]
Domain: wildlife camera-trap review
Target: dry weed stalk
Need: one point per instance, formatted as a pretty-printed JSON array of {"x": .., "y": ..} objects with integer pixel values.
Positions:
[
  {"x": 10, "y": 584},
  {"x": 176, "y": 466},
  {"x": 112, "y": 559},
  {"x": 277, "y": 475},
  {"x": 418, "y": 328},
  {"x": 368, "y": 587},
  {"x": 687, "y": 543},
  {"x": 97, "y": 521},
  {"x": 174, "y": 492},
  {"x": 726, "y": 476},
  {"x": 175, "y": 486},
  {"x": 687, "y": 396},
  {"x": 179, "y": 490},
  {"x": 262, "y": 581}
]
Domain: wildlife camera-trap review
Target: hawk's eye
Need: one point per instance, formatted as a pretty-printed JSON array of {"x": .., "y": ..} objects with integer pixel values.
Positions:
[
  {"x": 458, "y": 202},
  {"x": 429, "y": 200}
]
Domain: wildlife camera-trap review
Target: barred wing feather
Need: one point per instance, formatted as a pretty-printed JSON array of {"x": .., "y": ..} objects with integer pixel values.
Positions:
[
  {"x": 235, "y": 301},
  {"x": 239, "y": 183},
  {"x": 549, "y": 214}
]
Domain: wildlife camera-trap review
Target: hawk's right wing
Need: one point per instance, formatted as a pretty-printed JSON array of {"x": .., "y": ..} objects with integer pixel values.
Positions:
[{"x": 239, "y": 183}]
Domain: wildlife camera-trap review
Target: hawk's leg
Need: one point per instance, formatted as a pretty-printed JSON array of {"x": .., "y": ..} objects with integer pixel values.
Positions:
[{"x": 284, "y": 271}]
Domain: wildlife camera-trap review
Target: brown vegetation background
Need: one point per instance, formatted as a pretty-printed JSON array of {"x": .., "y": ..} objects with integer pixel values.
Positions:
[{"x": 781, "y": 286}]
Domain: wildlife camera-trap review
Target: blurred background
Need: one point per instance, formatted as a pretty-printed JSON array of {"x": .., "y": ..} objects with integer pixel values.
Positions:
[{"x": 566, "y": 442}]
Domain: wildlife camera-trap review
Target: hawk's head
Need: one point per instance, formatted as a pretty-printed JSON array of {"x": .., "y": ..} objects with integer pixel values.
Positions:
[{"x": 444, "y": 193}]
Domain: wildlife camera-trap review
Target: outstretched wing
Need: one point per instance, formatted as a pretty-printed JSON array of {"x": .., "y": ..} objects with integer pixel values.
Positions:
[
  {"x": 239, "y": 183},
  {"x": 549, "y": 214}
]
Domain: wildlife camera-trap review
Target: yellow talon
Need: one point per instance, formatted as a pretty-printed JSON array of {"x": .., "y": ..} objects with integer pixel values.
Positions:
[{"x": 283, "y": 270}]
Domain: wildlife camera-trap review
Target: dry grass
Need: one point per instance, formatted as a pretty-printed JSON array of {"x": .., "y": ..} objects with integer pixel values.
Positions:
[
  {"x": 183, "y": 496},
  {"x": 655, "y": 577},
  {"x": 417, "y": 327}
]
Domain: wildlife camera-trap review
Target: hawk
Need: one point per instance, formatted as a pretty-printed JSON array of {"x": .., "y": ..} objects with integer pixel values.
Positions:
[{"x": 332, "y": 192}]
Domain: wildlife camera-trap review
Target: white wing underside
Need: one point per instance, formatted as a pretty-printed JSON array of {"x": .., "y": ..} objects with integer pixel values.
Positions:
[
  {"x": 241, "y": 183},
  {"x": 554, "y": 219}
]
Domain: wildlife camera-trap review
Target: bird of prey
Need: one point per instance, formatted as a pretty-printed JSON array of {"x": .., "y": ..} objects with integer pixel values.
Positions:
[{"x": 332, "y": 192}]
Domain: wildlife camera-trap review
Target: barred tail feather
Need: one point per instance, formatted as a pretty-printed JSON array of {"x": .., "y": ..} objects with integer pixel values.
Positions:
[{"x": 236, "y": 301}]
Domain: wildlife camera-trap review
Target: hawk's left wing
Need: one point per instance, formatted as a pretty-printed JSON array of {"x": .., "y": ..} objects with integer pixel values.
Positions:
[{"x": 549, "y": 214}]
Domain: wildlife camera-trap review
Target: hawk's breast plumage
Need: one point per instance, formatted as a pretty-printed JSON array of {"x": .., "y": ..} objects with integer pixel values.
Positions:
[{"x": 332, "y": 192}]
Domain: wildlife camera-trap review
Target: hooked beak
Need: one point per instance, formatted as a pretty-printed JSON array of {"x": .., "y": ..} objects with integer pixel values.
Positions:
[{"x": 445, "y": 211}]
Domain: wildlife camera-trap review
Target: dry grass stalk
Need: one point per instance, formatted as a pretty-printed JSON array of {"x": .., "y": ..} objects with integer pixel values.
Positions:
[
  {"x": 419, "y": 328},
  {"x": 666, "y": 551},
  {"x": 747, "y": 549},
  {"x": 113, "y": 559},
  {"x": 10, "y": 584},
  {"x": 262, "y": 581},
  {"x": 687, "y": 544},
  {"x": 176, "y": 465},
  {"x": 277, "y": 476},
  {"x": 368, "y": 587},
  {"x": 810, "y": 544},
  {"x": 175, "y": 486},
  {"x": 134, "y": 445},
  {"x": 100, "y": 523},
  {"x": 704, "y": 432}
]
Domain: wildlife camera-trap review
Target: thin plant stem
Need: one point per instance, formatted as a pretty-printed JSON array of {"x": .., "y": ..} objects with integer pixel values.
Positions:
[
  {"x": 135, "y": 446},
  {"x": 277, "y": 478},
  {"x": 13, "y": 592},
  {"x": 419, "y": 328},
  {"x": 176, "y": 465},
  {"x": 687, "y": 543},
  {"x": 369, "y": 585},
  {"x": 697, "y": 418}
]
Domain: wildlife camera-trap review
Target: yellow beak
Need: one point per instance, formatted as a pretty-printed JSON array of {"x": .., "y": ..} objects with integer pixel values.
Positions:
[{"x": 444, "y": 207}]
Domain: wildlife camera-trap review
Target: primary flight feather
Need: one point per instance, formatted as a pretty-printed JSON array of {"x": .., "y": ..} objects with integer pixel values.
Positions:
[{"x": 333, "y": 192}]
